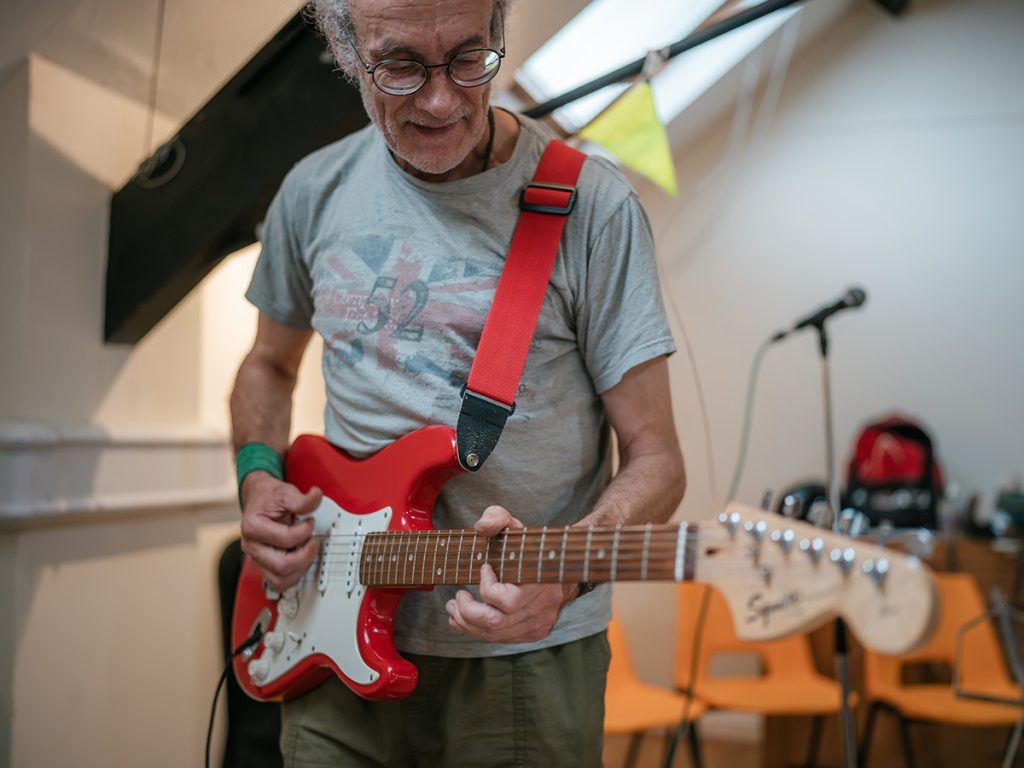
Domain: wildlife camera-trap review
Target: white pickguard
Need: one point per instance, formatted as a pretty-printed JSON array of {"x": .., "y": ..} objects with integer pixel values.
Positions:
[{"x": 325, "y": 604}]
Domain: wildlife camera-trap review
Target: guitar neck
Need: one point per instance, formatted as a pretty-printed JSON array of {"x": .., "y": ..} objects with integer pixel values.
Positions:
[{"x": 530, "y": 556}]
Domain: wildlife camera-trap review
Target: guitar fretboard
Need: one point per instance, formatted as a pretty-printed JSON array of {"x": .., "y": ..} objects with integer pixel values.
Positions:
[{"x": 544, "y": 555}]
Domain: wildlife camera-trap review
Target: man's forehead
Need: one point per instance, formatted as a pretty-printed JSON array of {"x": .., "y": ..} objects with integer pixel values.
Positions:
[{"x": 390, "y": 21}]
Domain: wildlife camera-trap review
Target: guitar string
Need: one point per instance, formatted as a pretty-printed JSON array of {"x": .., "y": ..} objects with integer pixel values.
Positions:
[
  {"x": 398, "y": 548},
  {"x": 397, "y": 573}
]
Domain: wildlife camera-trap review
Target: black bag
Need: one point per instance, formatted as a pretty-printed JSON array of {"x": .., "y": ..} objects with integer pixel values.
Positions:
[{"x": 893, "y": 475}]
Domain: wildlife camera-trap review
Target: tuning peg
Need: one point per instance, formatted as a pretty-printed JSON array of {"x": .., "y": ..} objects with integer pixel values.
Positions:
[
  {"x": 730, "y": 521},
  {"x": 766, "y": 499},
  {"x": 876, "y": 570},
  {"x": 844, "y": 558},
  {"x": 784, "y": 538},
  {"x": 756, "y": 530},
  {"x": 814, "y": 548}
]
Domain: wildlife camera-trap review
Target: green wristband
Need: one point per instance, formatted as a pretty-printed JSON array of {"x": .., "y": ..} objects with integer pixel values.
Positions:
[{"x": 257, "y": 456}]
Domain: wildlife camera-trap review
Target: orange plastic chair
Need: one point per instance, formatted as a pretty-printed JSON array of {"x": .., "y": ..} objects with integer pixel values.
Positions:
[
  {"x": 790, "y": 684},
  {"x": 982, "y": 672},
  {"x": 634, "y": 707}
]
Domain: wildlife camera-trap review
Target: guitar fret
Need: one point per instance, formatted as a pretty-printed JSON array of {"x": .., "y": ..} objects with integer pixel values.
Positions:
[
  {"x": 408, "y": 540},
  {"x": 646, "y": 551},
  {"x": 472, "y": 557},
  {"x": 458, "y": 557},
  {"x": 561, "y": 561},
  {"x": 447, "y": 554},
  {"x": 522, "y": 548},
  {"x": 425, "y": 539},
  {"x": 615, "y": 549},
  {"x": 586, "y": 554},
  {"x": 504, "y": 546},
  {"x": 433, "y": 565},
  {"x": 540, "y": 551}
]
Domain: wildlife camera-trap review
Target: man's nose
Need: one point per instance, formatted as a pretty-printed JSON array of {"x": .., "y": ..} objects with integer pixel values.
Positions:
[{"x": 438, "y": 96}]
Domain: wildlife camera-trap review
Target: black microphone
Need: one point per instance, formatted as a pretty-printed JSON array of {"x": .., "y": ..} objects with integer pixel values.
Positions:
[{"x": 853, "y": 297}]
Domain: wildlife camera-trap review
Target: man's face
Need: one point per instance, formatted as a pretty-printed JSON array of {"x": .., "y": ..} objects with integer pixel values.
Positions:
[{"x": 431, "y": 132}]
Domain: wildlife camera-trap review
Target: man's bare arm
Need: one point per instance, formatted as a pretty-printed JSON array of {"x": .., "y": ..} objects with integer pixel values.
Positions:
[
  {"x": 261, "y": 402},
  {"x": 261, "y": 407},
  {"x": 651, "y": 478}
]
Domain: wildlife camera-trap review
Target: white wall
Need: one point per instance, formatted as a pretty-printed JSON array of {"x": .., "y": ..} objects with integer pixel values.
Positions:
[{"x": 893, "y": 162}]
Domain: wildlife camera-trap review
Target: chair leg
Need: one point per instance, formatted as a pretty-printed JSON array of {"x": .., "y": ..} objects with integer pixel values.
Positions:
[
  {"x": 869, "y": 727},
  {"x": 1013, "y": 744},
  {"x": 908, "y": 748},
  {"x": 814, "y": 743},
  {"x": 695, "y": 755},
  {"x": 634, "y": 749}
]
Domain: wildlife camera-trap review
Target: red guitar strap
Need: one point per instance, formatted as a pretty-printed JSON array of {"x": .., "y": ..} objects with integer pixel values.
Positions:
[{"x": 489, "y": 397}]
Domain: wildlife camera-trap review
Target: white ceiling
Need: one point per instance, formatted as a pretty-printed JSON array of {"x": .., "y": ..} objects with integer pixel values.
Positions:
[{"x": 112, "y": 42}]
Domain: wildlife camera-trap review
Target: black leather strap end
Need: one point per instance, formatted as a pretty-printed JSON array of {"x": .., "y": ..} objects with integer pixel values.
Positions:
[{"x": 481, "y": 422}]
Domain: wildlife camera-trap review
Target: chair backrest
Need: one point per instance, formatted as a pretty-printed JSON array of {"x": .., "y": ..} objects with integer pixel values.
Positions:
[
  {"x": 790, "y": 656},
  {"x": 982, "y": 663}
]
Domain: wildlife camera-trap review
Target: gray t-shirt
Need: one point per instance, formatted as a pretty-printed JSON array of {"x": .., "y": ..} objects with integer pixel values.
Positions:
[{"x": 397, "y": 275}]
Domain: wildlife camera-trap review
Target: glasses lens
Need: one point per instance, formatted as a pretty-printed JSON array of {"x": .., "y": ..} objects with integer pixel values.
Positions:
[
  {"x": 399, "y": 76},
  {"x": 474, "y": 67}
]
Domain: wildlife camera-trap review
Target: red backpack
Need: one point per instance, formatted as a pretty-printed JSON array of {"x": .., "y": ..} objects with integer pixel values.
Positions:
[{"x": 893, "y": 474}]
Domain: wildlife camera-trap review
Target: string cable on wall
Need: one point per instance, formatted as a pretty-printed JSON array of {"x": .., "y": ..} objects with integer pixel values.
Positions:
[{"x": 742, "y": 138}]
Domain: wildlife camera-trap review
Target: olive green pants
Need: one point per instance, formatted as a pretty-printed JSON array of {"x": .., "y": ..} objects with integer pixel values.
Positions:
[{"x": 544, "y": 708}]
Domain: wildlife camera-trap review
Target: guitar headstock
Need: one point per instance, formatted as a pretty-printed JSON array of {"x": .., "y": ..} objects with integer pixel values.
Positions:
[{"x": 781, "y": 576}]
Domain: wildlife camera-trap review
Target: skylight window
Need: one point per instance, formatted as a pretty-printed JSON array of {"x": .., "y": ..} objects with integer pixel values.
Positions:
[{"x": 610, "y": 33}]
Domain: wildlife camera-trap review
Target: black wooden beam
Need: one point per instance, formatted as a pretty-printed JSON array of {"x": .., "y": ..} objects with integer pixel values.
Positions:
[{"x": 202, "y": 195}]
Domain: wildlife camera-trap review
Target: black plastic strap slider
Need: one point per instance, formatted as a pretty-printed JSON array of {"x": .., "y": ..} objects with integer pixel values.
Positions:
[
  {"x": 533, "y": 193},
  {"x": 481, "y": 422}
]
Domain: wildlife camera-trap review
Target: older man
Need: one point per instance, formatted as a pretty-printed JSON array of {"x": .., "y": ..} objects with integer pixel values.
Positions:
[{"x": 389, "y": 244}]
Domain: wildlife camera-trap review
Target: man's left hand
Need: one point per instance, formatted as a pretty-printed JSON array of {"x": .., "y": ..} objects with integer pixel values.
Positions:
[{"x": 509, "y": 613}]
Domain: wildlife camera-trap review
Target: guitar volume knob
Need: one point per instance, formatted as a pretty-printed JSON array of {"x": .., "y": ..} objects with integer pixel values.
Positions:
[
  {"x": 274, "y": 641},
  {"x": 288, "y": 607},
  {"x": 258, "y": 670}
]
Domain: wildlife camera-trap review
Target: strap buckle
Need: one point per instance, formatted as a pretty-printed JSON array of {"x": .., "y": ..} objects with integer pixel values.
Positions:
[
  {"x": 536, "y": 197},
  {"x": 481, "y": 422}
]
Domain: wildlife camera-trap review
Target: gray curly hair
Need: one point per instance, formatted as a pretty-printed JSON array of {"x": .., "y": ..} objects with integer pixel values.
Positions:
[{"x": 334, "y": 20}]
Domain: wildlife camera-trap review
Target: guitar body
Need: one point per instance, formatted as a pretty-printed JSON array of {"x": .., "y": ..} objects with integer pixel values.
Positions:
[{"x": 331, "y": 623}]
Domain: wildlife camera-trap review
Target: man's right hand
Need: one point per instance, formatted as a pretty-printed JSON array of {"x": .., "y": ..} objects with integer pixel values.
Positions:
[{"x": 279, "y": 543}]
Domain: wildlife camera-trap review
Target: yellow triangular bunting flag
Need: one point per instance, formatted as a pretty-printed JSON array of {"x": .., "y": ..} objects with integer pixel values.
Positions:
[{"x": 630, "y": 130}]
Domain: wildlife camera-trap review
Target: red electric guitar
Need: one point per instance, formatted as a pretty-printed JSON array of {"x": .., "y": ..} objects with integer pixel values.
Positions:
[{"x": 778, "y": 575}]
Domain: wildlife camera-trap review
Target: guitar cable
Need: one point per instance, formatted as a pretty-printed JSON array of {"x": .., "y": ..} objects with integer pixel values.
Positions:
[{"x": 249, "y": 642}]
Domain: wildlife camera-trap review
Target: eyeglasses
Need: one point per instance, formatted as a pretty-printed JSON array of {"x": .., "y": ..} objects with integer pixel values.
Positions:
[{"x": 467, "y": 69}]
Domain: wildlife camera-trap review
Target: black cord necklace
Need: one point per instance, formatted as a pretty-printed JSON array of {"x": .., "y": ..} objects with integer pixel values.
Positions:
[{"x": 490, "y": 139}]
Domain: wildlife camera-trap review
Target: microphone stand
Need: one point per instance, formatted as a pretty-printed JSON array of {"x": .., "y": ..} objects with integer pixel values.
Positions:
[{"x": 847, "y": 727}]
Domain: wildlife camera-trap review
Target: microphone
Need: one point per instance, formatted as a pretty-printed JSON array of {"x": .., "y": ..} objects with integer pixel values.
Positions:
[{"x": 854, "y": 297}]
